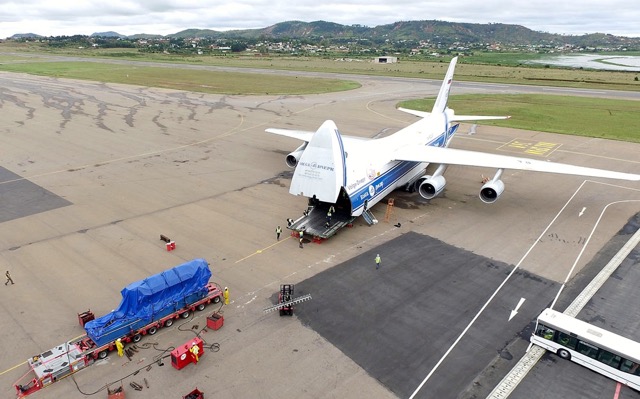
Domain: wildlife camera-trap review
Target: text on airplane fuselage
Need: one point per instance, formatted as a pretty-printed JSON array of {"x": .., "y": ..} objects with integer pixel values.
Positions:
[
  {"x": 355, "y": 184},
  {"x": 372, "y": 191},
  {"x": 315, "y": 165}
]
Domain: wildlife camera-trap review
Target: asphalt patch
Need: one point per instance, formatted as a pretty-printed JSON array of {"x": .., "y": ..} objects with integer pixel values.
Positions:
[
  {"x": 19, "y": 197},
  {"x": 397, "y": 322}
]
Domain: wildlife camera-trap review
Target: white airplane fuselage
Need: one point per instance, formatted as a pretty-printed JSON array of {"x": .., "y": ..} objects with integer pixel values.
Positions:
[{"x": 370, "y": 177}]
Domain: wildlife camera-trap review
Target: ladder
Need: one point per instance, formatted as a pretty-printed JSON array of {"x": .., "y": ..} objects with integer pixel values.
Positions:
[
  {"x": 389, "y": 213},
  {"x": 288, "y": 303},
  {"x": 368, "y": 217}
]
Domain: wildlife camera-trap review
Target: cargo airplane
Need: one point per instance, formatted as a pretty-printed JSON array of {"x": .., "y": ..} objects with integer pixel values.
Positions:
[{"x": 348, "y": 175}]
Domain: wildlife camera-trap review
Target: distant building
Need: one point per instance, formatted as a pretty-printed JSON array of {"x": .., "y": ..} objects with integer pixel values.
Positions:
[{"x": 385, "y": 60}]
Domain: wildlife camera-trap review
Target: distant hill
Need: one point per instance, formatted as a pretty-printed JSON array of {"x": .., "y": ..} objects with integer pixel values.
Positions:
[
  {"x": 436, "y": 32},
  {"x": 443, "y": 32},
  {"x": 25, "y": 36},
  {"x": 107, "y": 34}
]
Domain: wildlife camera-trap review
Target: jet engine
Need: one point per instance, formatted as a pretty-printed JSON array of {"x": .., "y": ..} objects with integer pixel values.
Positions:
[
  {"x": 431, "y": 186},
  {"x": 492, "y": 189},
  {"x": 294, "y": 156}
]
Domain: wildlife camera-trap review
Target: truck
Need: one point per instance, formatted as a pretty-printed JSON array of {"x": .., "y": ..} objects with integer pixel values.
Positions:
[{"x": 146, "y": 306}]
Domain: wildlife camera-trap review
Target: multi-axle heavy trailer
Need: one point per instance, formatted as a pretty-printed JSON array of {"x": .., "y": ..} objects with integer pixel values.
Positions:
[{"x": 147, "y": 305}]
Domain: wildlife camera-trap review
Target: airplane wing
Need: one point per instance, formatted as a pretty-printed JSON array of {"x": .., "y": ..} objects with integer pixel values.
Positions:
[
  {"x": 307, "y": 135},
  {"x": 296, "y": 134},
  {"x": 452, "y": 156}
]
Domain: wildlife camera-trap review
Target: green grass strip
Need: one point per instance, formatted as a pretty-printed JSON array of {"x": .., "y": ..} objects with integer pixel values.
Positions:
[
  {"x": 184, "y": 79},
  {"x": 580, "y": 116}
]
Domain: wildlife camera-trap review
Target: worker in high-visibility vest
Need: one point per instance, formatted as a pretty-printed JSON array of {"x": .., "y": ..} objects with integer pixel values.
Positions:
[
  {"x": 226, "y": 295},
  {"x": 195, "y": 350},
  {"x": 120, "y": 347}
]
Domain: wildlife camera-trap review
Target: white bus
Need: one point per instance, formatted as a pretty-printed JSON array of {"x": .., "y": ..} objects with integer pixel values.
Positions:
[{"x": 600, "y": 350}]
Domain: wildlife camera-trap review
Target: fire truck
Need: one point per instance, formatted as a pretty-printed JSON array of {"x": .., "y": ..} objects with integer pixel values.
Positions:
[{"x": 147, "y": 305}]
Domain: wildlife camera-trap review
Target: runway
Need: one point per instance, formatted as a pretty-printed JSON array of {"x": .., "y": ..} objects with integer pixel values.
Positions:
[{"x": 108, "y": 168}]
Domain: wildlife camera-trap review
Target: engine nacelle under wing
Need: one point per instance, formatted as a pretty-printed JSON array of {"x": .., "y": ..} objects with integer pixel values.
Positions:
[
  {"x": 294, "y": 156},
  {"x": 431, "y": 186},
  {"x": 490, "y": 192}
]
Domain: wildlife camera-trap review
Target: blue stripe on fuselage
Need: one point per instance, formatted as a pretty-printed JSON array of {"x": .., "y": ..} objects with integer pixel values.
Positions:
[{"x": 377, "y": 186}]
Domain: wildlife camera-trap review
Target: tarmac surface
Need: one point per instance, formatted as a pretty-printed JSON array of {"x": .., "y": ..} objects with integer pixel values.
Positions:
[{"x": 104, "y": 169}]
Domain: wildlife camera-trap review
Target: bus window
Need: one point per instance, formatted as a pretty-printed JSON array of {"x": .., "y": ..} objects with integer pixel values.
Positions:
[
  {"x": 587, "y": 349},
  {"x": 630, "y": 367},
  {"x": 567, "y": 340},
  {"x": 545, "y": 332},
  {"x": 609, "y": 358}
]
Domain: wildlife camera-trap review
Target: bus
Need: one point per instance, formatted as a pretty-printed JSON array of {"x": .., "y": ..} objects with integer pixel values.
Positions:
[{"x": 600, "y": 350}]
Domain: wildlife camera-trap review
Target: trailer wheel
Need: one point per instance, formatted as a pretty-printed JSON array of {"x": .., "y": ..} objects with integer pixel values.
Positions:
[
  {"x": 136, "y": 338},
  {"x": 216, "y": 299},
  {"x": 168, "y": 323},
  {"x": 186, "y": 314},
  {"x": 201, "y": 307},
  {"x": 152, "y": 330},
  {"x": 103, "y": 354}
]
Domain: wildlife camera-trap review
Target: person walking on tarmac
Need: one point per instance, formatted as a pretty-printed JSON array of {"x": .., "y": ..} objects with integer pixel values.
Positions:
[
  {"x": 225, "y": 294},
  {"x": 278, "y": 231},
  {"x": 378, "y": 261},
  {"x": 9, "y": 279}
]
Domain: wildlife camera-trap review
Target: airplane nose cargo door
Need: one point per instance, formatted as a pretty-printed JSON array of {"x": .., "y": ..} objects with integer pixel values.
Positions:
[{"x": 321, "y": 170}]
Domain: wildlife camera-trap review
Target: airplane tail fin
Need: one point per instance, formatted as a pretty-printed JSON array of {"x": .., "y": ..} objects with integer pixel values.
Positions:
[{"x": 443, "y": 95}]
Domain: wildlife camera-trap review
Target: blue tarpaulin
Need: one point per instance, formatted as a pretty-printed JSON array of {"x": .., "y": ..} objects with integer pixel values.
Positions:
[{"x": 150, "y": 299}]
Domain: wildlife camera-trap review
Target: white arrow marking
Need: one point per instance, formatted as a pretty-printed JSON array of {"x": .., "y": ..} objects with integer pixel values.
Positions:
[
  {"x": 582, "y": 211},
  {"x": 515, "y": 311}
]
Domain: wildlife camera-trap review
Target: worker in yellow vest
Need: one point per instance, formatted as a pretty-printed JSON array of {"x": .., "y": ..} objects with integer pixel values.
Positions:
[
  {"x": 195, "y": 350},
  {"x": 226, "y": 295},
  {"x": 120, "y": 347}
]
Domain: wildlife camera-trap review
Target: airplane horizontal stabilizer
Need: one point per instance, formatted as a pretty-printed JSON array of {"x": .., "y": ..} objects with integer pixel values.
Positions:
[
  {"x": 451, "y": 156},
  {"x": 463, "y": 118},
  {"x": 453, "y": 117},
  {"x": 421, "y": 114}
]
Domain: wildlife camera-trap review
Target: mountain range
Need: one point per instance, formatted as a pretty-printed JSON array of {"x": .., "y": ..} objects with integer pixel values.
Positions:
[{"x": 434, "y": 31}]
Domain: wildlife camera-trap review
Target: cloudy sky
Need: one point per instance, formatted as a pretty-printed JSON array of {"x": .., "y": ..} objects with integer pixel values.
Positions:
[{"x": 127, "y": 17}]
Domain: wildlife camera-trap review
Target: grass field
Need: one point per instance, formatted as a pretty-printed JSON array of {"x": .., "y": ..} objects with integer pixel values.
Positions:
[
  {"x": 181, "y": 79},
  {"x": 580, "y": 116}
]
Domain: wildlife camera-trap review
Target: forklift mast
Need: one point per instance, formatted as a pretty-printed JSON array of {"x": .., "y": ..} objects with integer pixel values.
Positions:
[{"x": 286, "y": 295}]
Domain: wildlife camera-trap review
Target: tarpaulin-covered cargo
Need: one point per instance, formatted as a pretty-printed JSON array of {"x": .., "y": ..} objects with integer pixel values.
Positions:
[{"x": 151, "y": 299}]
